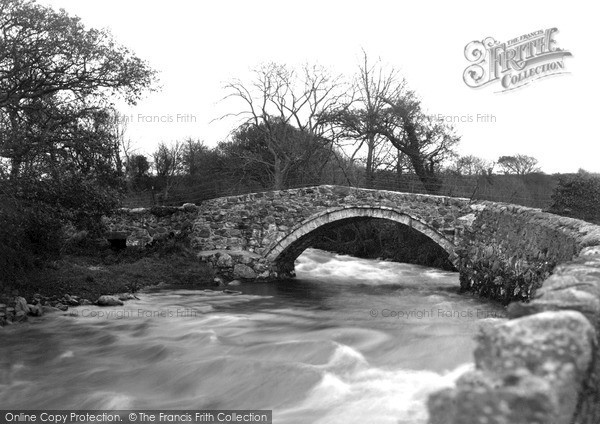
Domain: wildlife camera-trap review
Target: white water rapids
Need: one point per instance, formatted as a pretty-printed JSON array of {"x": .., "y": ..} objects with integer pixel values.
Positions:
[{"x": 348, "y": 341}]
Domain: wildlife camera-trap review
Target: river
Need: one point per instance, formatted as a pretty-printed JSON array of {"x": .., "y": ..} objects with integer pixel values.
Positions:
[{"x": 347, "y": 341}]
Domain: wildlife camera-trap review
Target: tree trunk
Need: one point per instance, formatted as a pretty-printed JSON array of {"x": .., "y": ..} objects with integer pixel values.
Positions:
[
  {"x": 15, "y": 167},
  {"x": 431, "y": 182},
  {"x": 118, "y": 161},
  {"x": 369, "y": 166},
  {"x": 399, "y": 168},
  {"x": 278, "y": 177}
]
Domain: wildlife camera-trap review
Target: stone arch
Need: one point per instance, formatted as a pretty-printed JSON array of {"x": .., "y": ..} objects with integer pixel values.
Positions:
[{"x": 273, "y": 252}]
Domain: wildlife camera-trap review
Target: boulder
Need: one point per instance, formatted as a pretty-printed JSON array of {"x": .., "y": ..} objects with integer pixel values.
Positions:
[
  {"x": 556, "y": 300},
  {"x": 189, "y": 207},
  {"x": 105, "y": 300},
  {"x": 243, "y": 271},
  {"x": 20, "y": 316},
  {"x": 554, "y": 346},
  {"x": 21, "y": 305},
  {"x": 71, "y": 300},
  {"x": 127, "y": 296},
  {"x": 36, "y": 310},
  {"x": 526, "y": 400},
  {"x": 61, "y": 307}
]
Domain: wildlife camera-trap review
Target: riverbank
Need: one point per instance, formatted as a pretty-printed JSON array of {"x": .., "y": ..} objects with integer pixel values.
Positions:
[{"x": 82, "y": 277}]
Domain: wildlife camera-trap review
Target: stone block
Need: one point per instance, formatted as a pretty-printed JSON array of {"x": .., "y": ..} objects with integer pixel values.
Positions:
[
  {"x": 528, "y": 399},
  {"x": 556, "y": 346},
  {"x": 243, "y": 272},
  {"x": 225, "y": 261}
]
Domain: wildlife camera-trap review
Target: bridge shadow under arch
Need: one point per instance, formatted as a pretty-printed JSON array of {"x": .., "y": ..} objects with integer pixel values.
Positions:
[{"x": 284, "y": 251}]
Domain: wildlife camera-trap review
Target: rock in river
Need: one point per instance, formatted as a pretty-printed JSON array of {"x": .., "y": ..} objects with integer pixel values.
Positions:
[{"x": 105, "y": 300}]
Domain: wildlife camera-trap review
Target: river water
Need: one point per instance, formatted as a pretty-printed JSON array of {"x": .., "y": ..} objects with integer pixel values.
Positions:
[{"x": 347, "y": 341}]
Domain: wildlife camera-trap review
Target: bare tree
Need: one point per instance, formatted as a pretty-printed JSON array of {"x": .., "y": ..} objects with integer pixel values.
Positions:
[
  {"x": 279, "y": 101},
  {"x": 359, "y": 121},
  {"x": 384, "y": 111},
  {"x": 518, "y": 164},
  {"x": 168, "y": 164}
]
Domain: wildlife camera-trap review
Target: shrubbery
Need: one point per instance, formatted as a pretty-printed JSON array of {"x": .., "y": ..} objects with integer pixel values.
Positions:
[
  {"x": 578, "y": 196},
  {"x": 28, "y": 235},
  {"x": 34, "y": 218}
]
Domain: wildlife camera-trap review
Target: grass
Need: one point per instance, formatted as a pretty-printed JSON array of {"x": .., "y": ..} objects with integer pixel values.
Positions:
[{"x": 90, "y": 274}]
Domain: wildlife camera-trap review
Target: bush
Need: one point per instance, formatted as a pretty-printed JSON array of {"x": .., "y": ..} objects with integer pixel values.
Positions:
[
  {"x": 36, "y": 213},
  {"x": 578, "y": 196},
  {"x": 28, "y": 236}
]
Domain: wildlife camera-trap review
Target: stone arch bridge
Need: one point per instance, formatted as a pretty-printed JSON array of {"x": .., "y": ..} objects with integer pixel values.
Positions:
[
  {"x": 542, "y": 365},
  {"x": 259, "y": 235}
]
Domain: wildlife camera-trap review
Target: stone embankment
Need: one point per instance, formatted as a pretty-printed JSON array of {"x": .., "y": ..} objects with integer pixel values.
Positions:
[{"x": 543, "y": 365}]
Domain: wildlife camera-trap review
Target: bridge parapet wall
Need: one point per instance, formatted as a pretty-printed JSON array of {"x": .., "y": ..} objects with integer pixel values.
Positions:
[
  {"x": 506, "y": 251},
  {"x": 541, "y": 366}
]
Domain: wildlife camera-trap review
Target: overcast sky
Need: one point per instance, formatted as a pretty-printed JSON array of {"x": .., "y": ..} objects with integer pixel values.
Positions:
[{"x": 197, "y": 46}]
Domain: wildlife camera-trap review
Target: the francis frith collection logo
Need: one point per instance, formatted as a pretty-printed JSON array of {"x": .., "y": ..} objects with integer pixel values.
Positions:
[{"x": 516, "y": 62}]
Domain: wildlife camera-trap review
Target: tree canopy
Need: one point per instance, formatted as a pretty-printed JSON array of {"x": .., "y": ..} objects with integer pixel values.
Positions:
[
  {"x": 59, "y": 158},
  {"x": 57, "y": 82},
  {"x": 518, "y": 164}
]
